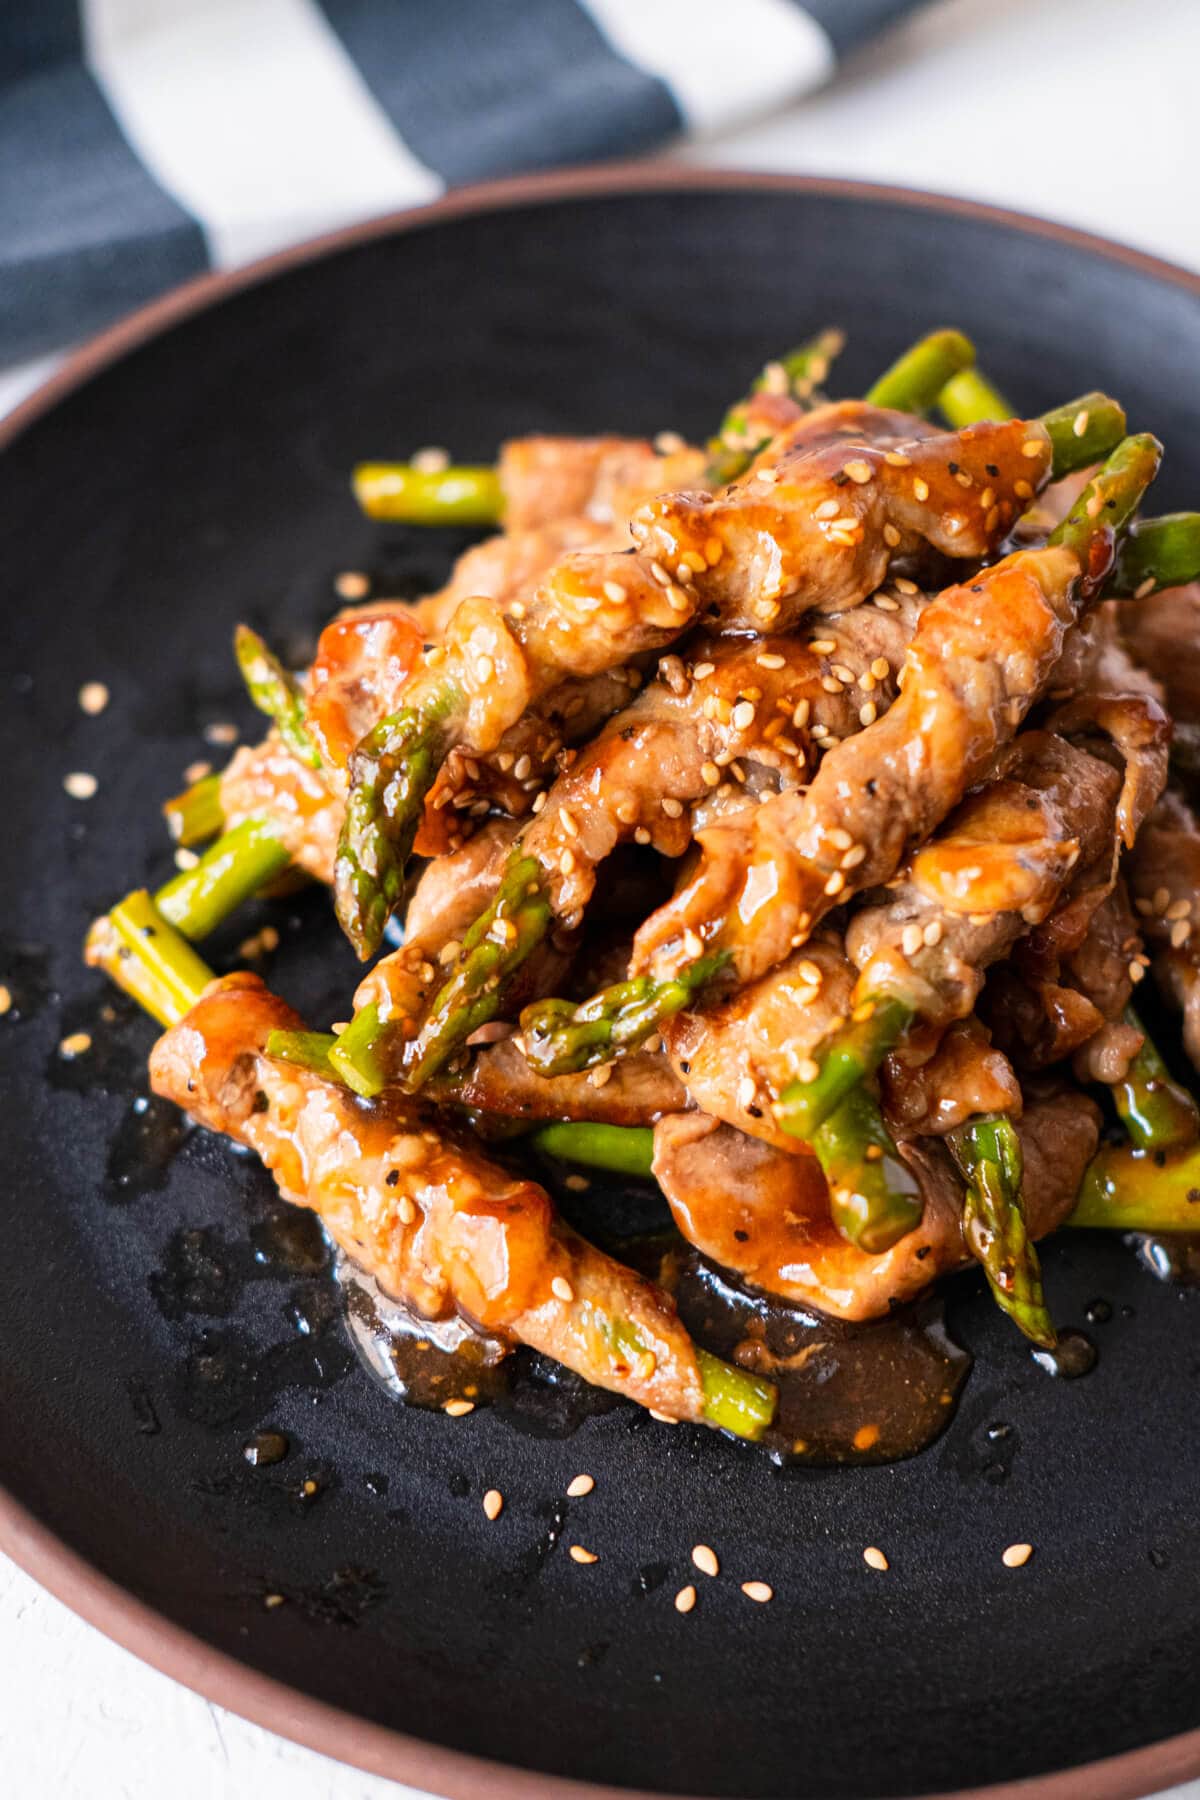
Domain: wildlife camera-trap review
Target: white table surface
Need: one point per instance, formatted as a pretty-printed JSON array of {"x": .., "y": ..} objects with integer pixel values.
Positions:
[{"x": 974, "y": 97}]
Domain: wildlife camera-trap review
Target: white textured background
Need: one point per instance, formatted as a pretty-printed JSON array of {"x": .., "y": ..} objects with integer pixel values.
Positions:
[{"x": 976, "y": 97}]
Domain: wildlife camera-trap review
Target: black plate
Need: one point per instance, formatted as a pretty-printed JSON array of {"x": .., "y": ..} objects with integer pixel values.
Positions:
[{"x": 201, "y": 478}]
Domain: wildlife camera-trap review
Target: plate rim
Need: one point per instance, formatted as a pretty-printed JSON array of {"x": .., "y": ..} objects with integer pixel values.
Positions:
[{"x": 49, "y": 1560}]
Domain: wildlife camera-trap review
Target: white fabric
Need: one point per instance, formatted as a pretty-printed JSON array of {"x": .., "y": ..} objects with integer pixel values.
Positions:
[
  {"x": 252, "y": 115},
  {"x": 731, "y": 61}
]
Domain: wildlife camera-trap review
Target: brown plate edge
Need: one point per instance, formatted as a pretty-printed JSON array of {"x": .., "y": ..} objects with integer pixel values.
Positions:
[{"x": 150, "y": 1636}]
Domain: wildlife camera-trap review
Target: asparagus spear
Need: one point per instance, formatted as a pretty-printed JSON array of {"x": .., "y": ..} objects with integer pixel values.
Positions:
[
  {"x": 230, "y": 871},
  {"x": 196, "y": 813},
  {"x": 1155, "y": 554},
  {"x": 561, "y": 1037},
  {"x": 1140, "y": 1190},
  {"x": 147, "y": 957},
  {"x": 733, "y": 449},
  {"x": 988, "y": 1153},
  {"x": 457, "y": 495},
  {"x": 274, "y": 692},
  {"x": 874, "y": 1197},
  {"x": 391, "y": 771},
  {"x": 915, "y": 380},
  {"x": 623, "y": 1149},
  {"x": 969, "y": 398},
  {"x": 1155, "y": 1110},
  {"x": 306, "y": 1049}
]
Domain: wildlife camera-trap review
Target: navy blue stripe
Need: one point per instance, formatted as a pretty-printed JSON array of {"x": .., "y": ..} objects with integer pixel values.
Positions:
[
  {"x": 86, "y": 233},
  {"x": 478, "y": 87},
  {"x": 849, "y": 23}
]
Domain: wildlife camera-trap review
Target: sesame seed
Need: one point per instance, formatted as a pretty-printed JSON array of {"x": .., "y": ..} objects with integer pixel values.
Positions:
[
  {"x": 809, "y": 971},
  {"x": 822, "y": 646},
  {"x": 920, "y": 488},
  {"x": 599, "y": 1076},
  {"x": 692, "y": 945},
  {"x": 667, "y": 443},
  {"x": 702, "y": 671},
  {"x": 746, "y": 1091},
  {"x": 458, "y": 1409},
  {"x": 185, "y": 858},
  {"x": 828, "y": 509},
  {"x": 770, "y": 660},
  {"x": 835, "y": 884},
  {"x": 523, "y": 767},
  {"x": 1162, "y": 898},
  {"x": 1180, "y": 933},
  {"x": 1031, "y": 447},
  {"x": 678, "y": 601},
  {"x": 645, "y": 1366},
  {"x": 93, "y": 697},
  {"x": 714, "y": 550},
  {"x": 807, "y": 1069},
  {"x": 705, "y": 1559},
  {"x": 562, "y": 1290},
  {"x": 485, "y": 668},
  {"x": 800, "y": 716},
  {"x": 672, "y": 808},
  {"x": 710, "y": 774},
  {"x": 758, "y": 1591},
  {"x": 831, "y": 684},
  {"x": 271, "y": 1601},
  {"x": 911, "y": 939},
  {"x": 578, "y": 1184},
  {"x": 351, "y": 584},
  {"x": 580, "y": 1555},
  {"x": 75, "y": 1045},
  {"x": 539, "y": 800},
  {"x": 1136, "y": 972},
  {"x": 1017, "y": 1555},
  {"x": 80, "y": 785},
  {"x": 641, "y": 835},
  {"x": 844, "y": 675},
  {"x": 431, "y": 459},
  {"x": 897, "y": 459},
  {"x": 886, "y": 604},
  {"x": 1023, "y": 490},
  {"x": 932, "y": 934},
  {"x": 868, "y": 713},
  {"x": 517, "y": 610},
  {"x": 566, "y": 863},
  {"x": 493, "y": 1503},
  {"x": 875, "y": 1559},
  {"x": 891, "y": 536},
  {"x": 6, "y": 999},
  {"x": 859, "y": 471},
  {"x": 569, "y": 822},
  {"x": 685, "y": 1599},
  {"x": 963, "y": 479},
  {"x": 406, "y": 1209},
  {"x": 743, "y": 715},
  {"x": 579, "y": 1485},
  {"x": 1080, "y": 422},
  {"x": 854, "y": 856}
]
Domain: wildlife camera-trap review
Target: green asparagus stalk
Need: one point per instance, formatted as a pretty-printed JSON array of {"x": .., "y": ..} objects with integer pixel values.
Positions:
[
  {"x": 734, "y": 1400},
  {"x": 456, "y": 495},
  {"x": 1140, "y": 1190},
  {"x": 274, "y": 692},
  {"x": 915, "y": 380},
  {"x": 1155, "y": 554},
  {"x": 391, "y": 771},
  {"x": 622, "y": 1149},
  {"x": 874, "y": 1197},
  {"x": 306, "y": 1049},
  {"x": 562, "y": 1038},
  {"x": 969, "y": 398},
  {"x": 153, "y": 961},
  {"x": 730, "y": 452},
  {"x": 229, "y": 872},
  {"x": 355, "y": 1058},
  {"x": 1107, "y": 504},
  {"x": 852, "y": 1055},
  {"x": 1084, "y": 431},
  {"x": 1155, "y": 1110},
  {"x": 195, "y": 814},
  {"x": 988, "y": 1153}
]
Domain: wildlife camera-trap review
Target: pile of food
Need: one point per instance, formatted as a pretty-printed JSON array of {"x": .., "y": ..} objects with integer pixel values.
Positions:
[{"x": 791, "y": 818}]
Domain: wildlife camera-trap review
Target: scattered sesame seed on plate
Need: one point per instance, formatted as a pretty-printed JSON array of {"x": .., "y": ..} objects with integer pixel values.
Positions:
[
  {"x": 458, "y": 1409},
  {"x": 685, "y": 1599},
  {"x": 185, "y": 858},
  {"x": 493, "y": 1503},
  {"x": 80, "y": 784},
  {"x": 875, "y": 1559},
  {"x": 271, "y": 1601},
  {"x": 579, "y": 1485},
  {"x": 221, "y": 731},
  {"x": 93, "y": 697},
  {"x": 75, "y": 1044},
  {"x": 6, "y": 1000},
  {"x": 352, "y": 584},
  {"x": 578, "y": 1184},
  {"x": 759, "y": 1591},
  {"x": 196, "y": 771},
  {"x": 705, "y": 1559},
  {"x": 1017, "y": 1555},
  {"x": 431, "y": 459},
  {"x": 580, "y": 1555}
]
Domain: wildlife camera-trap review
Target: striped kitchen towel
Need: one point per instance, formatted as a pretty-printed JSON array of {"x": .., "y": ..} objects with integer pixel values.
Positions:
[{"x": 142, "y": 141}]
